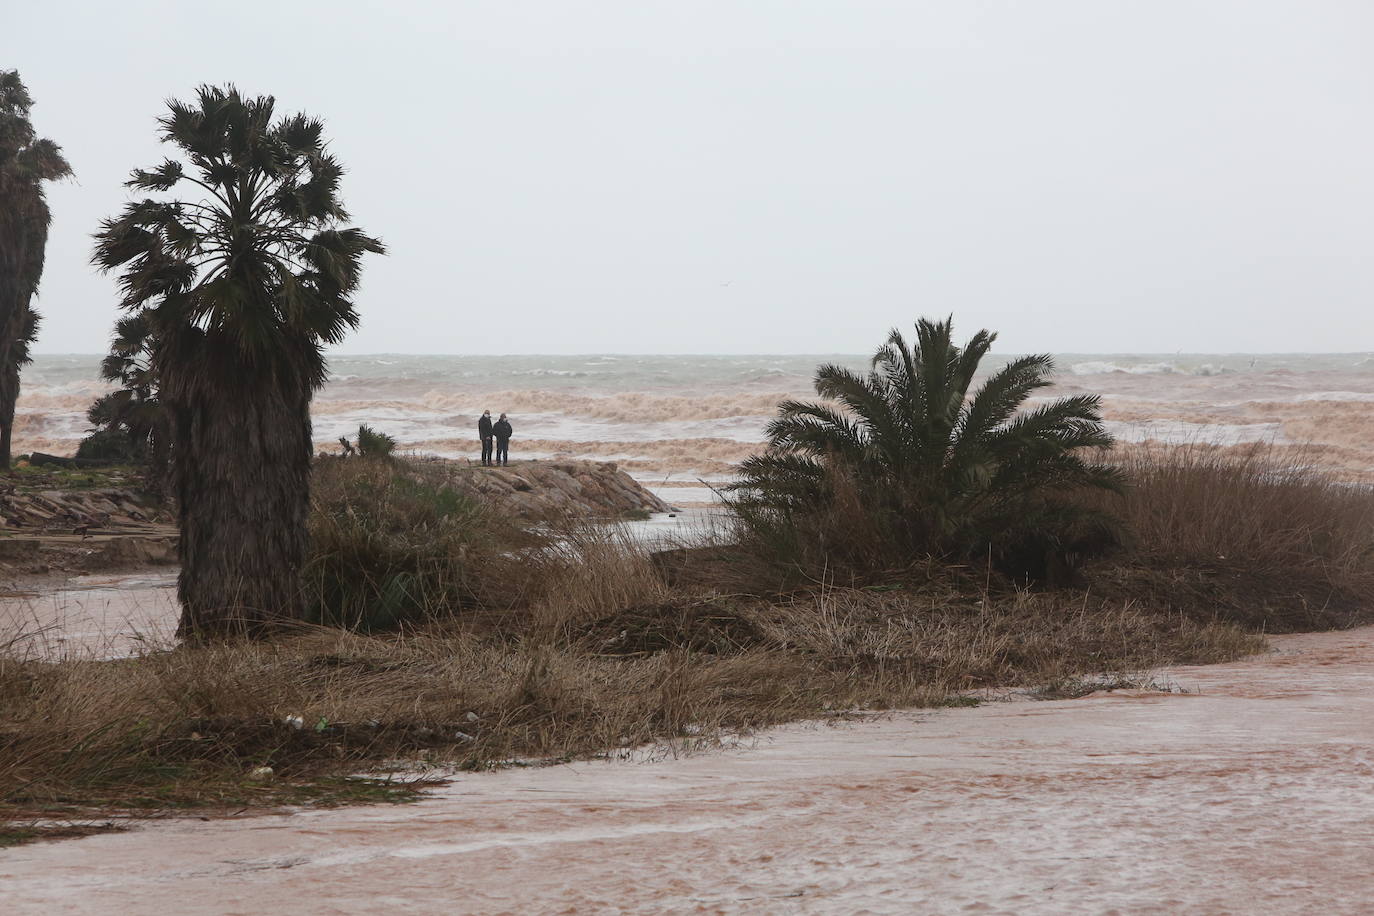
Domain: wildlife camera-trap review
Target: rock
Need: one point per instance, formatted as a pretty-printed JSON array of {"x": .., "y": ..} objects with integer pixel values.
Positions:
[
  {"x": 583, "y": 489},
  {"x": 133, "y": 551}
]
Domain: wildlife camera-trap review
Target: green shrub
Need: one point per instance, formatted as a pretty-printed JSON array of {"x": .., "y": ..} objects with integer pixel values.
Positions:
[
  {"x": 112, "y": 445},
  {"x": 372, "y": 444},
  {"x": 392, "y": 544}
]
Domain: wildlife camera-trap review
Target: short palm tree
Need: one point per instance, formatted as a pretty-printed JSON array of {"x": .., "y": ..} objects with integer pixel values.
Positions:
[
  {"x": 26, "y": 161},
  {"x": 937, "y": 469},
  {"x": 240, "y": 285},
  {"x": 131, "y": 418}
]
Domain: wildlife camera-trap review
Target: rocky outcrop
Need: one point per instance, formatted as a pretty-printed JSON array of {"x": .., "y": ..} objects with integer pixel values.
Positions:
[
  {"x": 552, "y": 489},
  {"x": 81, "y": 530},
  {"x": 74, "y": 511}
]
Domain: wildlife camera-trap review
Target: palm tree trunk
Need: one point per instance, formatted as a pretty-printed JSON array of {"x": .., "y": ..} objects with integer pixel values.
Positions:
[
  {"x": 14, "y": 300},
  {"x": 240, "y": 472},
  {"x": 9, "y": 396},
  {"x": 158, "y": 476}
]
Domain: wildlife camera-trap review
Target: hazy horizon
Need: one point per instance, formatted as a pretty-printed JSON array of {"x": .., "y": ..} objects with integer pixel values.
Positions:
[
  {"x": 772, "y": 178},
  {"x": 797, "y": 353},
  {"x": 992, "y": 354}
]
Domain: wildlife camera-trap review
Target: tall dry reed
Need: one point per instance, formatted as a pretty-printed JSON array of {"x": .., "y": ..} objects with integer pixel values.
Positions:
[{"x": 1257, "y": 505}]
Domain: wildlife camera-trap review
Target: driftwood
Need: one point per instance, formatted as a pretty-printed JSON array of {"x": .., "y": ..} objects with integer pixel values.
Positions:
[{"x": 39, "y": 459}]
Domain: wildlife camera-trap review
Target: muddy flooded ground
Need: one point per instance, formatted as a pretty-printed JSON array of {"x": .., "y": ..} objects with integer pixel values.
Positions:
[
  {"x": 1248, "y": 789},
  {"x": 90, "y": 616}
]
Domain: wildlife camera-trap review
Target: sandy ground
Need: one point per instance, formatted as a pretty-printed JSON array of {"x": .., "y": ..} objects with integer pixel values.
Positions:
[{"x": 1253, "y": 792}]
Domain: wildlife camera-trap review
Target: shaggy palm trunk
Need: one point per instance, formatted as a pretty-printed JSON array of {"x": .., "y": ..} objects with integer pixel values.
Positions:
[
  {"x": 157, "y": 477},
  {"x": 9, "y": 396},
  {"x": 240, "y": 472},
  {"x": 14, "y": 303}
]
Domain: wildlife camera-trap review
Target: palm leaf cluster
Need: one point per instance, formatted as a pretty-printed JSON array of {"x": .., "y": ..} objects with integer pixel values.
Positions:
[
  {"x": 933, "y": 467},
  {"x": 26, "y": 162},
  {"x": 258, "y": 263}
]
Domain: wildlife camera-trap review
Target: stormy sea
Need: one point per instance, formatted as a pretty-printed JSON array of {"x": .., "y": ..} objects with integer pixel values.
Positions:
[{"x": 680, "y": 423}]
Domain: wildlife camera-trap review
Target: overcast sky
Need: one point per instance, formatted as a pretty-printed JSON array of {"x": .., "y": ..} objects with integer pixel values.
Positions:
[{"x": 736, "y": 176}]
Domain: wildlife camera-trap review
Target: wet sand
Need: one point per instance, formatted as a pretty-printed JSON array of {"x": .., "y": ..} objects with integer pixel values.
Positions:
[{"x": 1251, "y": 793}]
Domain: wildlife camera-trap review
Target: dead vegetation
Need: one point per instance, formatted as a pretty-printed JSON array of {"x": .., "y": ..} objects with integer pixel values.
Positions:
[
  {"x": 574, "y": 643},
  {"x": 197, "y": 725},
  {"x": 1256, "y": 535}
]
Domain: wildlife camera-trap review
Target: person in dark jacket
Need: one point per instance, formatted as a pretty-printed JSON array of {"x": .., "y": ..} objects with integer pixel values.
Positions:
[
  {"x": 502, "y": 430},
  {"x": 484, "y": 433}
]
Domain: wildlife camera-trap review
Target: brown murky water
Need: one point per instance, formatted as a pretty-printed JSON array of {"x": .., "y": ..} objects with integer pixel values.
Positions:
[
  {"x": 92, "y": 616},
  {"x": 1251, "y": 793}
]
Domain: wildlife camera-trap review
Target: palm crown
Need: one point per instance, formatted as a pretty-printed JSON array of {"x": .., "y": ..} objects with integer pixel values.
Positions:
[
  {"x": 26, "y": 161},
  {"x": 259, "y": 262},
  {"x": 948, "y": 471}
]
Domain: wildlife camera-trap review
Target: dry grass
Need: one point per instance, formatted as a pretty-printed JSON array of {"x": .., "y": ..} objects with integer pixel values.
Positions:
[
  {"x": 1254, "y": 534},
  {"x": 190, "y": 727},
  {"x": 1254, "y": 504},
  {"x": 581, "y": 646}
]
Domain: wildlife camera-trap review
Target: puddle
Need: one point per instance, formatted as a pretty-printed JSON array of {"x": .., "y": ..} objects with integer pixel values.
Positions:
[{"x": 95, "y": 616}]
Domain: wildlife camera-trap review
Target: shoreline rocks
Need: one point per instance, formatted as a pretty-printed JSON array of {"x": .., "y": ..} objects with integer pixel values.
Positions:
[
  {"x": 44, "y": 511},
  {"x": 550, "y": 489}
]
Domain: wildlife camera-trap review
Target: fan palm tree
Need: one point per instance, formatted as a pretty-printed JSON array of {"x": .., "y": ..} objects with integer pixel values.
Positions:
[
  {"x": 939, "y": 469},
  {"x": 240, "y": 284},
  {"x": 26, "y": 161}
]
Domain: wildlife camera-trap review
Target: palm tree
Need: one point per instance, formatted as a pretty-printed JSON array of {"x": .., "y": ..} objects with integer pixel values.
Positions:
[
  {"x": 26, "y": 161},
  {"x": 937, "y": 470},
  {"x": 130, "y": 421},
  {"x": 240, "y": 287}
]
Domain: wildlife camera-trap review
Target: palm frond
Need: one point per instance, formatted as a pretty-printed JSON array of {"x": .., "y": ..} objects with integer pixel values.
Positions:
[
  {"x": 1003, "y": 394},
  {"x": 868, "y": 399},
  {"x": 815, "y": 429}
]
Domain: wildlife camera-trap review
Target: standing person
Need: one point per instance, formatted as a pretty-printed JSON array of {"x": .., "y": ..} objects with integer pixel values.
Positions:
[
  {"x": 484, "y": 433},
  {"x": 503, "y": 431}
]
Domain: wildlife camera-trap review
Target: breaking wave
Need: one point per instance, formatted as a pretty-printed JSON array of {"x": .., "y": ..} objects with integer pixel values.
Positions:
[{"x": 1100, "y": 367}]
